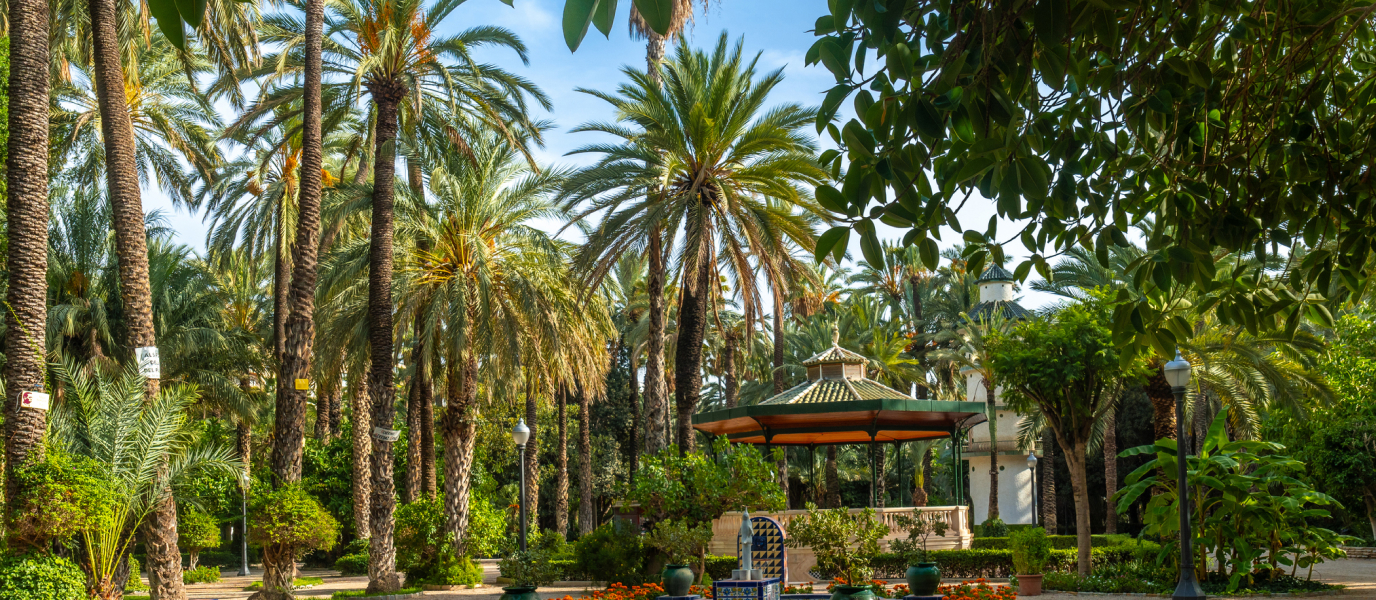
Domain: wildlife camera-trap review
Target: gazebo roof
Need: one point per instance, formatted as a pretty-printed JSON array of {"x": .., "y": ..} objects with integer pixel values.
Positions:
[{"x": 839, "y": 405}]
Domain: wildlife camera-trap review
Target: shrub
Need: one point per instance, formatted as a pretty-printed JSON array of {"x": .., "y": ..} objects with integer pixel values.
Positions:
[
  {"x": 844, "y": 544},
  {"x": 1059, "y": 542},
  {"x": 341, "y": 594},
  {"x": 995, "y": 563},
  {"x": 994, "y": 527},
  {"x": 678, "y": 541},
  {"x": 352, "y": 564},
  {"x": 59, "y": 497},
  {"x": 196, "y": 531},
  {"x": 206, "y": 574},
  {"x": 286, "y": 523},
  {"x": 919, "y": 527},
  {"x": 720, "y": 567},
  {"x": 41, "y": 577},
  {"x": 135, "y": 583},
  {"x": 613, "y": 553},
  {"x": 1031, "y": 551}
]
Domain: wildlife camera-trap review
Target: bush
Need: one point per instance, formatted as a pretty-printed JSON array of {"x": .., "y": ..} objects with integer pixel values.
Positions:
[
  {"x": 970, "y": 564},
  {"x": 720, "y": 567},
  {"x": 289, "y": 519},
  {"x": 1031, "y": 551},
  {"x": 1059, "y": 542},
  {"x": 611, "y": 553},
  {"x": 196, "y": 531},
  {"x": 352, "y": 564},
  {"x": 59, "y": 497},
  {"x": 41, "y": 577},
  {"x": 994, "y": 527},
  {"x": 225, "y": 557},
  {"x": 135, "y": 583},
  {"x": 206, "y": 574},
  {"x": 845, "y": 544}
]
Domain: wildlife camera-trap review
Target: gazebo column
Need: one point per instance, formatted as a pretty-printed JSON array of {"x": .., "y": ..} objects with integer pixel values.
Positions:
[{"x": 902, "y": 485}]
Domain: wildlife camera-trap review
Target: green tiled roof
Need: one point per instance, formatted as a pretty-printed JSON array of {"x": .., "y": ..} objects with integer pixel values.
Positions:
[
  {"x": 835, "y": 354},
  {"x": 995, "y": 273},
  {"x": 1009, "y": 310},
  {"x": 836, "y": 390}
]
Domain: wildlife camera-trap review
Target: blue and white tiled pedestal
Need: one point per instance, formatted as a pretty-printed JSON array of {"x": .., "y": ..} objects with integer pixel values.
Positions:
[{"x": 734, "y": 589}]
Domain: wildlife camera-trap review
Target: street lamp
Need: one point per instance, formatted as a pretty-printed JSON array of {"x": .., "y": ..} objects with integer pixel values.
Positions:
[
  {"x": 1178, "y": 376},
  {"x": 521, "y": 434},
  {"x": 1032, "y": 474}
]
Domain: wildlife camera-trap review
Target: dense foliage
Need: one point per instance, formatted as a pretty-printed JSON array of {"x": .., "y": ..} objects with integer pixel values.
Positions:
[
  {"x": 843, "y": 543},
  {"x": 41, "y": 577}
]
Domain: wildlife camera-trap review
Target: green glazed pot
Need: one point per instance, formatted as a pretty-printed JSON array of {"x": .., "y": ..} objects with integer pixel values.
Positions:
[
  {"x": 519, "y": 592},
  {"x": 923, "y": 579},
  {"x": 852, "y": 592},
  {"x": 677, "y": 580}
]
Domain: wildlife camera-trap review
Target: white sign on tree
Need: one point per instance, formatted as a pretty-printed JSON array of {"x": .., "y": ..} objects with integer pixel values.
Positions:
[{"x": 150, "y": 365}]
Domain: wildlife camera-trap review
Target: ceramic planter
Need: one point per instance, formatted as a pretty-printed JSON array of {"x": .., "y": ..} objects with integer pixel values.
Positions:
[
  {"x": 677, "y": 580},
  {"x": 852, "y": 592},
  {"x": 1030, "y": 585},
  {"x": 519, "y": 592},
  {"x": 923, "y": 579}
]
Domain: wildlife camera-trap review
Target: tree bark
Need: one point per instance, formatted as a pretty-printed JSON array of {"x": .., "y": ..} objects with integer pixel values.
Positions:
[
  {"x": 1110, "y": 471},
  {"x": 920, "y": 494},
  {"x": 532, "y": 453},
  {"x": 459, "y": 425},
  {"x": 728, "y": 367},
  {"x": 243, "y": 440},
  {"x": 27, "y": 223},
  {"x": 781, "y": 466},
  {"x": 382, "y": 576},
  {"x": 833, "y": 480},
  {"x": 586, "y": 520},
  {"x": 411, "y": 491},
  {"x": 1075, "y": 460},
  {"x": 361, "y": 427},
  {"x": 131, "y": 249},
  {"x": 692, "y": 325},
  {"x": 636, "y": 420},
  {"x": 561, "y": 463},
  {"x": 656, "y": 394},
  {"x": 1369, "y": 496},
  {"x": 281, "y": 290},
  {"x": 778, "y": 373},
  {"x": 326, "y": 404},
  {"x": 1048, "y": 483},
  {"x": 990, "y": 399},
  {"x": 427, "y": 440},
  {"x": 1162, "y": 404}
]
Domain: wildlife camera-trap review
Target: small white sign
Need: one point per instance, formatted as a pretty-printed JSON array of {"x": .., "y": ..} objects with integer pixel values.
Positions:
[
  {"x": 150, "y": 365},
  {"x": 386, "y": 435},
  {"x": 37, "y": 400}
]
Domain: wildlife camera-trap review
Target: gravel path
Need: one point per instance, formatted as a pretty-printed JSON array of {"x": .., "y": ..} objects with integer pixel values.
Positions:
[{"x": 1359, "y": 575}]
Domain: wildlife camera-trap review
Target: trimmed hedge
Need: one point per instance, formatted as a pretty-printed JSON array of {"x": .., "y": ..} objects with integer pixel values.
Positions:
[
  {"x": 997, "y": 563},
  {"x": 1059, "y": 542},
  {"x": 718, "y": 567}
]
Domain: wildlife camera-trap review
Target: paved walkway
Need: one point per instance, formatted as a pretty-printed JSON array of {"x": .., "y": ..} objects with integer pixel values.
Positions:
[{"x": 1359, "y": 575}]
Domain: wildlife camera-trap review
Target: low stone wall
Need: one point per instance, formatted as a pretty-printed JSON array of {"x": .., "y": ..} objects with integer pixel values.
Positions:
[{"x": 1360, "y": 551}]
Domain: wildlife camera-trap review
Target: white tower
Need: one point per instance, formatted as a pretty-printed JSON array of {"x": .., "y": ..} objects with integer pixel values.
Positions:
[{"x": 1015, "y": 479}]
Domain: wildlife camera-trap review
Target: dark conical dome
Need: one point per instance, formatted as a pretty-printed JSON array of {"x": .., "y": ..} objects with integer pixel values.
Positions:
[{"x": 995, "y": 273}]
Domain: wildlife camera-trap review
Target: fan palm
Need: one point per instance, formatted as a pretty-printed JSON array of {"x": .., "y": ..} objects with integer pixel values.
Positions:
[{"x": 699, "y": 155}]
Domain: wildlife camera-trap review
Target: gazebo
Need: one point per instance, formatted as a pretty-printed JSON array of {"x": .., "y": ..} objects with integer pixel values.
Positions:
[{"x": 838, "y": 404}]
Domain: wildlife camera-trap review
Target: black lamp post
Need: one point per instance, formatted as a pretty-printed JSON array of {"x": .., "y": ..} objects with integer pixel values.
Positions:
[
  {"x": 521, "y": 434},
  {"x": 1178, "y": 376},
  {"x": 1032, "y": 476}
]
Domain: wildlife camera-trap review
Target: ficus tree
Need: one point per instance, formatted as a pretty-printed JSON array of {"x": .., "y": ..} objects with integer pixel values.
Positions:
[
  {"x": 1238, "y": 123},
  {"x": 1066, "y": 367}
]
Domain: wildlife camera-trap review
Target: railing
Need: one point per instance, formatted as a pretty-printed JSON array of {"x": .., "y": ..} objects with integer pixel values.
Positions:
[
  {"x": 1003, "y": 446},
  {"x": 957, "y": 518}
]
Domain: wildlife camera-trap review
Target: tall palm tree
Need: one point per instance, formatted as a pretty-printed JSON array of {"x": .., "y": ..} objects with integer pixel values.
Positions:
[
  {"x": 970, "y": 351},
  {"x": 26, "y": 215},
  {"x": 699, "y": 156}
]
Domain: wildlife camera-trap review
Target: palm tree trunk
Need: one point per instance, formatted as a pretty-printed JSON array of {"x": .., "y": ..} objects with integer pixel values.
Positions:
[
  {"x": 382, "y": 557},
  {"x": 361, "y": 426},
  {"x": 728, "y": 367},
  {"x": 635, "y": 419},
  {"x": 27, "y": 213},
  {"x": 833, "y": 480},
  {"x": 459, "y": 425},
  {"x": 1110, "y": 470},
  {"x": 427, "y": 436},
  {"x": 326, "y": 396},
  {"x": 921, "y": 491},
  {"x": 561, "y": 464},
  {"x": 656, "y": 395},
  {"x": 586, "y": 520},
  {"x": 411, "y": 491},
  {"x": 243, "y": 440},
  {"x": 881, "y": 491},
  {"x": 692, "y": 325},
  {"x": 131, "y": 248},
  {"x": 296, "y": 347},
  {"x": 532, "y": 454},
  {"x": 990, "y": 397},
  {"x": 781, "y": 466},
  {"x": 778, "y": 373},
  {"x": 1162, "y": 404},
  {"x": 1048, "y": 491},
  {"x": 281, "y": 291}
]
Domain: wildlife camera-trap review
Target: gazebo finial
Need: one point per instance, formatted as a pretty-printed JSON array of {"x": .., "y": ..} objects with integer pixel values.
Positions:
[{"x": 835, "y": 335}]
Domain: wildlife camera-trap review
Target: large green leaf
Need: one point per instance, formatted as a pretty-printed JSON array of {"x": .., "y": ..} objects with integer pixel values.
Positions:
[
  {"x": 192, "y": 11},
  {"x": 604, "y": 16},
  {"x": 577, "y": 16},
  {"x": 833, "y": 243},
  {"x": 658, "y": 14},
  {"x": 169, "y": 21}
]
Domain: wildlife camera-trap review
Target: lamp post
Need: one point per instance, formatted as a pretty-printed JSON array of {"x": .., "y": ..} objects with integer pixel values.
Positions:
[
  {"x": 1032, "y": 476},
  {"x": 521, "y": 434},
  {"x": 1178, "y": 376}
]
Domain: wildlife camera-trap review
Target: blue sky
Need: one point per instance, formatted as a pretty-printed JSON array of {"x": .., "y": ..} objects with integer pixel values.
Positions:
[{"x": 778, "y": 30}]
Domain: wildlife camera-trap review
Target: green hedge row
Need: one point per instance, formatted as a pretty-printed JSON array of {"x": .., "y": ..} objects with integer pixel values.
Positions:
[
  {"x": 997, "y": 563},
  {"x": 718, "y": 567},
  {"x": 1057, "y": 541}
]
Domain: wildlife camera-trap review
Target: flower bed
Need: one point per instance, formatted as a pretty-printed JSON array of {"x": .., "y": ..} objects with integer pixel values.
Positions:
[{"x": 644, "y": 591}]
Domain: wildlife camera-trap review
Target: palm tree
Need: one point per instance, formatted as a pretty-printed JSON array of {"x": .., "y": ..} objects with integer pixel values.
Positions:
[
  {"x": 26, "y": 183},
  {"x": 970, "y": 350},
  {"x": 699, "y": 155}
]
